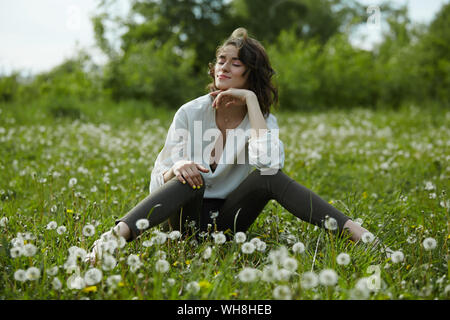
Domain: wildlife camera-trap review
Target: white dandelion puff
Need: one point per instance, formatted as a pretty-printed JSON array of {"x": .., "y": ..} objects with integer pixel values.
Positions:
[
  {"x": 142, "y": 224},
  {"x": 72, "y": 182},
  {"x": 240, "y": 237},
  {"x": 278, "y": 255},
  {"x": 309, "y": 280},
  {"x": 282, "y": 292},
  {"x": 290, "y": 264},
  {"x": 328, "y": 277},
  {"x": 162, "y": 266},
  {"x": 429, "y": 244},
  {"x": 93, "y": 276},
  {"x": 298, "y": 247},
  {"x": 52, "y": 271},
  {"x": 261, "y": 246},
  {"x": 3, "y": 221},
  {"x": 88, "y": 230},
  {"x": 160, "y": 237},
  {"x": 207, "y": 253},
  {"x": 248, "y": 248},
  {"x": 20, "y": 275},
  {"x": 429, "y": 186},
  {"x": 75, "y": 282},
  {"x": 33, "y": 273},
  {"x": 51, "y": 225},
  {"x": 29, "y": 250},
  {"x": 16, "y": 252},
  {"x": 343, "y": 259},
  {"x": 269, "y": 273},
  {"x": 397, "y": 257},
  {"x": 56, "y": 284},
  {"x": 248, "y": 275},
  {"x": 109, "y": 262},
  {"x": 331, "y": 223},
  {"x": 61, "y": 230},
  {"x": 219, "y": 238},
  {"x": 113, "y": 281},
  {"x": 174, "y": 235},
  {"x": 367, "y": 237},
  {"x": 193, "y": 287}
]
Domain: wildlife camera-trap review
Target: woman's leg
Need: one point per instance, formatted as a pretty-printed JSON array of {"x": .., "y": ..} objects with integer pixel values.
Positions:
[
  {"x": 166, "y": 204},
  {"x": 244, "y": 204}
]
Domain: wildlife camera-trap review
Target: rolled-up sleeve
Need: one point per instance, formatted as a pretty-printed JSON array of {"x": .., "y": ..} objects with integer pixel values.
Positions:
[
  {"x": 175, "y": 149},
  {"x": 267, "y": 151}
]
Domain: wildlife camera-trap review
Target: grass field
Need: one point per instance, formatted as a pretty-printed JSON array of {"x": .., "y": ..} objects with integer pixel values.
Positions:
[{"x": 65, "y": 177}]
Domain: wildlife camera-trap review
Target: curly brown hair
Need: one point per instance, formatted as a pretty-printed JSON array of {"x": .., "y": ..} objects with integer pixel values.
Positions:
[{"x": 254, "y": 57}]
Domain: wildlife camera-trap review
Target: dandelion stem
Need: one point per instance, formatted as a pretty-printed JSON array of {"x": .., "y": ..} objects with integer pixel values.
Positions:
[{"x": 315, "y": 252}]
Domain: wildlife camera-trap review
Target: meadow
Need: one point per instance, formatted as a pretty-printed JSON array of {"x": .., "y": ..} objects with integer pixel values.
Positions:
[{"x": 65, "y": 177}]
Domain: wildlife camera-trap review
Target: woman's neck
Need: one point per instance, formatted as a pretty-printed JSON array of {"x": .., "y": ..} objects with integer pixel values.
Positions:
[{"x": 231, "y": 114}]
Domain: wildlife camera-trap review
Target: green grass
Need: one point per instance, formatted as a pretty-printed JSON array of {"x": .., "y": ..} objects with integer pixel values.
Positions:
[{"x": 388, "y": 168}]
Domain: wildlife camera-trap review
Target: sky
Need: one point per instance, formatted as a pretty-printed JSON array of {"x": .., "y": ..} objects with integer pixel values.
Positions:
[{"x": 38, "y": 35}]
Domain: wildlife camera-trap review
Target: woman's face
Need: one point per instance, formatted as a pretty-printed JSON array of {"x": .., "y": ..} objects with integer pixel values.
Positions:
[{"x": 229, "y": 70}]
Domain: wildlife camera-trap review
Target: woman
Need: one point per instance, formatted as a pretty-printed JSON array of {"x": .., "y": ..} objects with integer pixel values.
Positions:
[{"x": 222, "y": 159}]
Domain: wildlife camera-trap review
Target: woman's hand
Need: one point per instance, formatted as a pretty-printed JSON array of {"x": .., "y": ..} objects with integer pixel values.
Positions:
[
  {"x": 230, "y": 97},
  {"x": 189, "y": 171}
]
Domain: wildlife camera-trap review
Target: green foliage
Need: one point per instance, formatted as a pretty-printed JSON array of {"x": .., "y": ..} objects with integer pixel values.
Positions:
[{"x": 160, "y": 75}]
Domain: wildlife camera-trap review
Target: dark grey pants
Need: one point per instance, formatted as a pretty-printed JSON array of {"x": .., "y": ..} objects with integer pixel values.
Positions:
[{"x": 176, "y": 205}]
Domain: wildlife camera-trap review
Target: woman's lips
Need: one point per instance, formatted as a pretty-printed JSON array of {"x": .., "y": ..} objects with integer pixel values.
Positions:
[{"x": 223, "y": 77}]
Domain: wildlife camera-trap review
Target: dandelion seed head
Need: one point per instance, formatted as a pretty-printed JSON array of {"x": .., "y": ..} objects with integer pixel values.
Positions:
[
  {"x": 61, "y": 230},
  {"x": 219, "y": 238},
  {"x": 109, "y": 262},
  {"x": 93, "y": 276},
  {"x": 397, "y": 257},
  {"x": 174, "y": 235},
  {"x": 331, "y": 223},
  {"x": 88, "y": 230},
  {"x": 33, "y": 273},
  {"x": 20, "y": 275},
  {"x": 282, "y": 292},
  {"x": 240, "y": 237},
  {"x": 290, "y": 264},
  {"x": 309, "y": 280},
  {"x": 75, "y": 282},
  {"x": 298, "y": 247},
  {"x": 193, "y": 287},
  {"x": 207, "y": 253},
  {"x": 142, "y": 224},
  {"x": 248, "y": 275},
  {"x": 56, "y": 284},
  {"x": 328, "y": 277},
  {"x": 29, "y": 250},
  {"x": 52, "y": 225},
  {"x": 343, "y": 259},
  {"x": 429, "y": 244},
  {"x": 72, "y": 182},
  {"x": 367, "y": 237},
  {"x": 162, "y": 266},
  {"x": 248, "y": 248}
]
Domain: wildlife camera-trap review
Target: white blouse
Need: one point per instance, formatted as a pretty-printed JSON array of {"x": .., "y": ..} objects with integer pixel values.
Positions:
[{"x": 193, "y": 135}]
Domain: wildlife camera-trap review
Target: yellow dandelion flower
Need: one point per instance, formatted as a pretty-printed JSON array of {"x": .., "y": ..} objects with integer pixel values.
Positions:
[
  {"x": 204, "y": 284},
  {"x": 188, "y": 262},
  {"x": 330, "y": 202},
  {"x": 233, "y": 294},
  {"x": 364, "y": 195},
  {"x": 408, "y": 267},
  {"x": 175, "y": 263},
  {"x": 90, "y": 289},
  {"x": 121, "y": 284},
  {"x": 69, "y": 210}
]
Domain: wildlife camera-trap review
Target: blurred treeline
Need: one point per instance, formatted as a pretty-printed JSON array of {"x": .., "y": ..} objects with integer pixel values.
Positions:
[{"x": 165, "y": 47}]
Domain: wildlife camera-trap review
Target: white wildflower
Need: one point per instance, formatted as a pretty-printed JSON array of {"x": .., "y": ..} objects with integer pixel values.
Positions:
[
  {"x": 29, "y": 250},
  {"x": 248, "y": 248},
  {"x": 298, "y": 247},
  {"x": 219, "y": 238},
  {"x": 75, "y": 282},
  {"x": 429, "y": 244},
  {"x": 33, "y": 273},
  {"x": 248, "y": 275},
  {"x": 193, "y": 287},
  {"x": 397, "y": 257},
  {"x": 331, "y": 223},
  {"x": 309, "y": 280},
  {"x": 174, "y": 235},
  {"x": 343, "y": 259},
  {"x": 52, "y": 225},
  {"x": 328, "y": 277},
  {"x": 56, "y": 284},
  {"x": 429, "y": 186},
  {"x": 142, "y": 224},
  {"x": 61, "y": 230},
  {"x": 162, "y": 266},
  {"x": 367, "y": 237},
  {"x": 93, "y": 276},
  {"x": 88, "y": 230},
  {"x": 72, "y": 182},
  {"x": 20, "y": 275},
  {"x": 240, "y": 237},
  {"x": 282, "y": 292},
  {"x": 207, "y": 253},
  {"x": 290, "y": 264}
]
